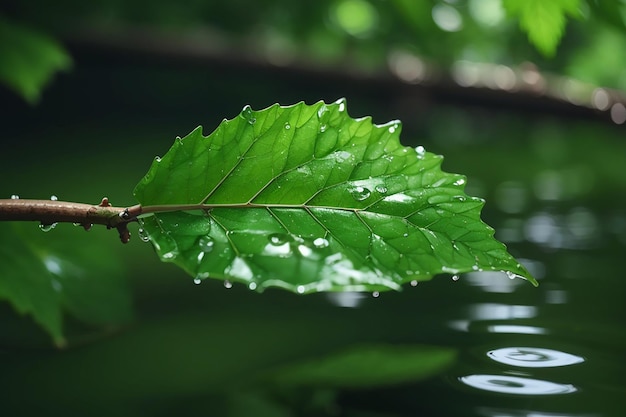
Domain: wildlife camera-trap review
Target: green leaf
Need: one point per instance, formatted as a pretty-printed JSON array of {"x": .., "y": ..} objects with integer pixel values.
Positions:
[
  {"x": 543, "y": 21},
  {"x": 28, "y": 59},
  {"x": 368, "y": 366},
  {"x": 44, "y": 277},
  {"x": 307, "y": 198}
]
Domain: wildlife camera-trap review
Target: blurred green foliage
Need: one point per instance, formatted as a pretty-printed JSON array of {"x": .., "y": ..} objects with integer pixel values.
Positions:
[
  {"x": 328, "y": 32},
  {"x": 28, "y": 59}
]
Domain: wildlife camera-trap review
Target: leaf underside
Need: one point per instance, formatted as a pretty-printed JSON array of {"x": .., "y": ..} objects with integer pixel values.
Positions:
[{"x": 306, "y": 198}]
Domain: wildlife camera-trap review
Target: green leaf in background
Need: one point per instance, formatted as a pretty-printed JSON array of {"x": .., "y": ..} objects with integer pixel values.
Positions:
[
  {"x": 29, "y": 59},
  {"x": 368, "y": 366},
  {"x": 307, "y": 198},
  {"x": 44, "y": 276},
  {"x": 544, "y": 21}
]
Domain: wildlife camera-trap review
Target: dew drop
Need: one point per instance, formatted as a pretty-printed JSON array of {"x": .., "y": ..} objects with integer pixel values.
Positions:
[
  {"x": 300, "y": 289},
  {"x": 287, "y": 126},
  {"x": 342, "y": 105},
  {"x": 54, "y": 198},
  {"x": 323, "y": 128},
  {"x": 305, "y": 250},
  {"x": 381, "y": 189},
  {"x": 47, "y": 227},
  {"x": 278, "y": 239},
  {"x": 247, "y": 114},
  {"x": 197, "y": 281},
  {"x": 475, "y": 267},
  {"x": 206, "y": 244},
  {"x": 323, "y": 114},
  {"x": 375, "y": 294},
  {"x": 455, "y": 277},
  {"x": 143, "y": 235},
  {"x": 320, "y": 242},
  {"x": 460, "y": 181},
  {"x": 392, "y": 128},
  {"x": 252, "y": 285},
  {"x": 420, "y": 151},
  {"x": 414, "y": 283},
  {"x": 511, "y": 275},
  {"x": 15, "y": 197},
  {"x": 360, "y": 193},
  {"x": 227, "y": 284}
]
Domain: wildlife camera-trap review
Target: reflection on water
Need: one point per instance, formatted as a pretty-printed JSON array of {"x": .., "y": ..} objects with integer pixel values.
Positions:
[
  {"x": 513, "y": 328},
  {"x": 516, "y": 385},
  {"x": 493, "y": 412},
  {"x": 531, "y": 357}
]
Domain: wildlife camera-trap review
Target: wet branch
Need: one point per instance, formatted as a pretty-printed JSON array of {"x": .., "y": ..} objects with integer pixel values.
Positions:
[{"x": 49, "y": 212}]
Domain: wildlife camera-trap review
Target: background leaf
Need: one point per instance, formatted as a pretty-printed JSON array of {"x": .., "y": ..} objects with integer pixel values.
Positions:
[
  {"x": 367, "y": 366},
  {"x": 29, "y": 59},
  {"x": 309, "y": 199},
  {"x": 45, "y": 276},
  {"x": 543, "y": 21}
]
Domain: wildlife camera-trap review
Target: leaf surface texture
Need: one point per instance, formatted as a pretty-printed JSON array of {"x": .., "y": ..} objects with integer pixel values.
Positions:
[{"x": 307, "y": 198}]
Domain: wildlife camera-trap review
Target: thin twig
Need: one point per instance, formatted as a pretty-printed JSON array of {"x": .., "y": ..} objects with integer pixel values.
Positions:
[{"x": 48, "y": 212}]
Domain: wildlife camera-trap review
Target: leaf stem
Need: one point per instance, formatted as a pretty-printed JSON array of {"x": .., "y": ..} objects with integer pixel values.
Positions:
[{"x": 49, "y": 212}]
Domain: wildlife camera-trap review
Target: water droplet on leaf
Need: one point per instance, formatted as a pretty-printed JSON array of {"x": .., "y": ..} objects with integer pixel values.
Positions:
[
  {"x": 143, "y": 235},
  {"x": 320, "y": 242},
  {"x": 278, "y": 239},
  {"x": 460, "y": 181},
  {"x": 323, "y": 128},
  {"x": 47, "y": 227},
  {"x": 206, "y": 244},
  {"x": 252, "y": 285},
  {"x": 375, "y": 294},
  {"x": 247, "y": 114},
  {"x": 421, "y": 151},
  {"x": 414, "y": 283},
  {"x": 381, "y": 189},
  {"x": 15, "y": 197},
  {"x": 360, "y": 193},
  {"x": 228, "y": 284},
  {"x": 323, "y": 114},
  {"x": 197, "y": 281},
  {"x": 54, "y": 198},
  {"x": 304, "y": 250},
  {"x": 511, "y": 275},
  {"x": 455, "y": 277},
  {"x": 287, "y": 126},
  {"x": 300, "y": 289}
]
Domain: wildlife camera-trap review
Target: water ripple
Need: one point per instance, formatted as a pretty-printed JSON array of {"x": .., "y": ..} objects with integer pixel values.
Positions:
[
  {"x": 531, "y": 357},
  {"x": 516, "y": 385}
]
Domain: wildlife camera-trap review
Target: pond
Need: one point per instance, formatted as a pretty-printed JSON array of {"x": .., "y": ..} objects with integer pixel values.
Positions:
[{"x": 480, "y": 344}]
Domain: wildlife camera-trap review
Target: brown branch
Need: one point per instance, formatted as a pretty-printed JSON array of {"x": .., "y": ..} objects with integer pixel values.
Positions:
[{"x": 48, "y": 212}]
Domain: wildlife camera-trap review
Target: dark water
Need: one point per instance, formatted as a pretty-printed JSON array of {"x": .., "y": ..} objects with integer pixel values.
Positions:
[{"x": 555, "y": 191}]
